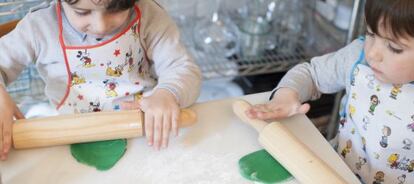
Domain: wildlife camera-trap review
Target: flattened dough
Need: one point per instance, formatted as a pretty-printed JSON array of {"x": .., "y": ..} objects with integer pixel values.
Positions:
[
  {"x": 102, "y": 155},
  {"x": 261, "y": 167}
]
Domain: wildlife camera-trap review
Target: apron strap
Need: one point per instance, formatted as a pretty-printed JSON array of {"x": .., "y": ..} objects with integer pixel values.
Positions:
[{"x": 361, "y": 60}]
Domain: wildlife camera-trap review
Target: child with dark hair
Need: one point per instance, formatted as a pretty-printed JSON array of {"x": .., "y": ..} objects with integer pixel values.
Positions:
[
  {"x": 102, "y": 55},
  {"x": 377, "y": 72}
]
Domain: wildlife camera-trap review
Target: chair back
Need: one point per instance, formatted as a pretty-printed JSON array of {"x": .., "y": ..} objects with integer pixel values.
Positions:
[{"x": 7, "y": 27}]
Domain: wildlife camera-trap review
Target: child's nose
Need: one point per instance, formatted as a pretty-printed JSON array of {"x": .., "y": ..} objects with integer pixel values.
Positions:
[
  {"x": 101, "y": 26},
  {"x": 374, "y": 53}
]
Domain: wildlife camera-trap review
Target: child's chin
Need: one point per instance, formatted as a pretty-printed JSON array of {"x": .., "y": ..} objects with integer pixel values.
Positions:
[
  {"x": 389, "y": 81},
  {"x": 381, "y": 79}
]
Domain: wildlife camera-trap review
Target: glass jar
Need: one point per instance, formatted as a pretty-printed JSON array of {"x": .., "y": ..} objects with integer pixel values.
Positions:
[
  {"x": 216, "y": 34},
  {"x": 256, "y": 30}
]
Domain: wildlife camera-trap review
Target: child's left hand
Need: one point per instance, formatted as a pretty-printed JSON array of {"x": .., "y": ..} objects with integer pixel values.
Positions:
[{"x": 161, "y": 115}]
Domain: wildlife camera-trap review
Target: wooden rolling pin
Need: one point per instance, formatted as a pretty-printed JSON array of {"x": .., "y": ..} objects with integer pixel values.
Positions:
[
  {"x": 87, "y": 127},
  {"x": 288, "y": 150}
]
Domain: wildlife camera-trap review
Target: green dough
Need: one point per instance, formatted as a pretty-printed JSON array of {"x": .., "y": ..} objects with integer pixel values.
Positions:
[
  {"x": 102, "y": 155},
  {"x": 261, "y": 167}
]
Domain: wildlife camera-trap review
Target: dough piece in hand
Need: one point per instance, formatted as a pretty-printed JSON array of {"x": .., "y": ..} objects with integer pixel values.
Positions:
[
  {"x": 102, "y": 155},
  {"x": 261, "y": 167}
]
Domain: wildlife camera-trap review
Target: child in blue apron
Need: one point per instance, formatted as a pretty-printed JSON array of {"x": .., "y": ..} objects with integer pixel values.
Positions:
[
  {"x": 102, "y": 55},
  {"x": 375, "y": 135}
]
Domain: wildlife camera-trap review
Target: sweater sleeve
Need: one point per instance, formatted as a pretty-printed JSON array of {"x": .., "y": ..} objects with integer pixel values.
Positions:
[
  {"x": 324, "y": 74},
  {"x": 17, "y": 50},
  {"x": 174, "y": 66}
]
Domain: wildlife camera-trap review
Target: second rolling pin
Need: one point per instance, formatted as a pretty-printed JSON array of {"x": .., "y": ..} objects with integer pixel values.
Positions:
[{"x": 299, "y": 160}]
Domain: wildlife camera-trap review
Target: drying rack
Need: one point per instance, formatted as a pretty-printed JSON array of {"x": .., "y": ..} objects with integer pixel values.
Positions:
[{"x": 271, "y": 61}]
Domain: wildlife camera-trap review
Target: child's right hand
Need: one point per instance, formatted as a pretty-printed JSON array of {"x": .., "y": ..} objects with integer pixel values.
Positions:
[
  {"x": 8, "y": 110},
  {"x": 285, "y": 103}
]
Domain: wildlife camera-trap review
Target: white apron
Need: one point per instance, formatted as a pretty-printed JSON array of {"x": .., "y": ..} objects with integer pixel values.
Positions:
[
  {"x": 377, "y": 130},
  {"x": 103, "y": 75}
]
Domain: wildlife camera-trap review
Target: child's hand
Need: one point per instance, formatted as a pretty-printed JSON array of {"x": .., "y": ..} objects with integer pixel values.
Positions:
[
  {"x": 8, "y": 110},
  {"x": 285, "y": 103},
  {"x": 161, "y": 115}
]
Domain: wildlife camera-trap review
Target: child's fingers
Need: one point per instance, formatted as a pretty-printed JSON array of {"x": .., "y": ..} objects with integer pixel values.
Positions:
[
  {"x": 2, "y": 157},
  {"x": 261, "y": 108},
  {"x": 275, "y": 111},
  {"x": 157, "y": 131},
  {"x": 253, "y": 111},
  {"x": 278, "y": 114},
  {"x": 166, "y": 127},
  {"x": 174, "y": 119},
  {"x": 130, "y": 105},
  {"x": 7, "y": 136},
  {"x": 149, "y": 128},
  {"x": 18, "y": 114}
]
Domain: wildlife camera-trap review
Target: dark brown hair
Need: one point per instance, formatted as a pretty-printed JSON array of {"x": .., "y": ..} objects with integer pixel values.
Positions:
[
  {"x": 112, "y": 5},
  {"x": 397, "y": 17}
]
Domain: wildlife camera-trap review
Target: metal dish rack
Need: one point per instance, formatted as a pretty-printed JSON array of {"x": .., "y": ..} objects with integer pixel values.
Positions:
[
  {"x": 270, "y": 62},
  {"x": 331, "y": 39}
]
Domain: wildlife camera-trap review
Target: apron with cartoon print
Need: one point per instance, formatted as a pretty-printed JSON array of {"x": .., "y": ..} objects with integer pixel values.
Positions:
[
  {"x": 376, "y": 130},
  {"x": 103, "y": 75}
]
